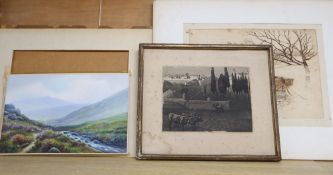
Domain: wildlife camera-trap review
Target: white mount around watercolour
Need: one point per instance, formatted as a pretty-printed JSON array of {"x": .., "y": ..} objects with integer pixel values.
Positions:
[{"x": 80, "y": 39}]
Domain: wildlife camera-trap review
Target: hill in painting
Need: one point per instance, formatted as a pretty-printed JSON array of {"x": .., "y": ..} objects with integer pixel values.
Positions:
[
  {"x": 39, "y": 103},
  {"x": 44, "y": 115},
  {"x": 111, "y": 106},
  {"x": 45, "y": 108}
]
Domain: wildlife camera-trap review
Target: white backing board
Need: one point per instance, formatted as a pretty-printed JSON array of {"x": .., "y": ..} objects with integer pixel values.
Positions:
[{"x": 169, "y": 19}]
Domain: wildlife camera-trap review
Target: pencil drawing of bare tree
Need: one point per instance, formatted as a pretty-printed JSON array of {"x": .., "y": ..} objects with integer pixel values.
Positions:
[{"x": 291, "y": 47}]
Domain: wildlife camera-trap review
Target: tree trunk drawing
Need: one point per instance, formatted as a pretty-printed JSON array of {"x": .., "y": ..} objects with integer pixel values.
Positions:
[{"x": 213, "y": 82}]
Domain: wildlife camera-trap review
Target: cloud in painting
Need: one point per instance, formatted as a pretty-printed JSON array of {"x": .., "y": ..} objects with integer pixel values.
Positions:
[{"x": 73, "y": 88}]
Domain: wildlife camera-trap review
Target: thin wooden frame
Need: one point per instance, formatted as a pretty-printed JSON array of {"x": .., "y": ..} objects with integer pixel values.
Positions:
[{"x": 268, "y": 48}]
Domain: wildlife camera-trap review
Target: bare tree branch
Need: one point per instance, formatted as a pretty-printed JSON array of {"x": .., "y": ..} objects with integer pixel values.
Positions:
[{"x": 291, "y": 47}]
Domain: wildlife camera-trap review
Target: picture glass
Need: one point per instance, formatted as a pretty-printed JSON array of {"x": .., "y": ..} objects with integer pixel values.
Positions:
[
  {"x": 206, "y": 99},
  {"x": 65, "y": 113}
]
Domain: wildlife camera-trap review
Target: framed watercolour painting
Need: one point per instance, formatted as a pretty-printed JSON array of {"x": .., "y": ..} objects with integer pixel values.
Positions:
[
  {"x": 207, "y": 102},
  {"x": 65, "y": 114}
]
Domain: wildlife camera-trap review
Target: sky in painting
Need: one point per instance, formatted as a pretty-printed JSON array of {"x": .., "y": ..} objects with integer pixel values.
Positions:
[
  {"x": 202, "y": 70},
  {"x": 73, "y": 88}
]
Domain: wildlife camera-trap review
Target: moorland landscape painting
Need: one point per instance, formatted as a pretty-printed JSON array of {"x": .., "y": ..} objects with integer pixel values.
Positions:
[{"x": 65, "y": 113}]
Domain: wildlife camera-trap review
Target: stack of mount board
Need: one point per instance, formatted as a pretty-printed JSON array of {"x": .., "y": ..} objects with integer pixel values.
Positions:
[{"x": 173, "y": 21}]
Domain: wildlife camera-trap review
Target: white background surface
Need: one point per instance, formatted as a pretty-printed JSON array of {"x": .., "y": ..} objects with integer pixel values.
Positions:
[
  {"x": 79, "y": 39},
  {"x": 170, "y": 16}
]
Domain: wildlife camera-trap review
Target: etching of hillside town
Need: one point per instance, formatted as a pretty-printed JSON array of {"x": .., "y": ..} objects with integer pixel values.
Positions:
[{"x": 206, "y": 99}]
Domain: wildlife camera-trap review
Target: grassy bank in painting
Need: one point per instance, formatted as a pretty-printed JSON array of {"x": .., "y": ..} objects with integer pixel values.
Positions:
[
  {"x": 17, "y": 131},
  {"x": 111, "y": 131},
  {"x": 23, "y": 135},
  {"x": 50, "y": 141}
]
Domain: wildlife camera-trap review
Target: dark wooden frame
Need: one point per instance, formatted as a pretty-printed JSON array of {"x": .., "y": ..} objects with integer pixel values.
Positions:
[{"x": 268, "y": 48}]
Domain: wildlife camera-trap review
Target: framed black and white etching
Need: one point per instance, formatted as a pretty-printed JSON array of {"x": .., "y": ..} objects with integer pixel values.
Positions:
[{"x": 207, "y": 102}]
